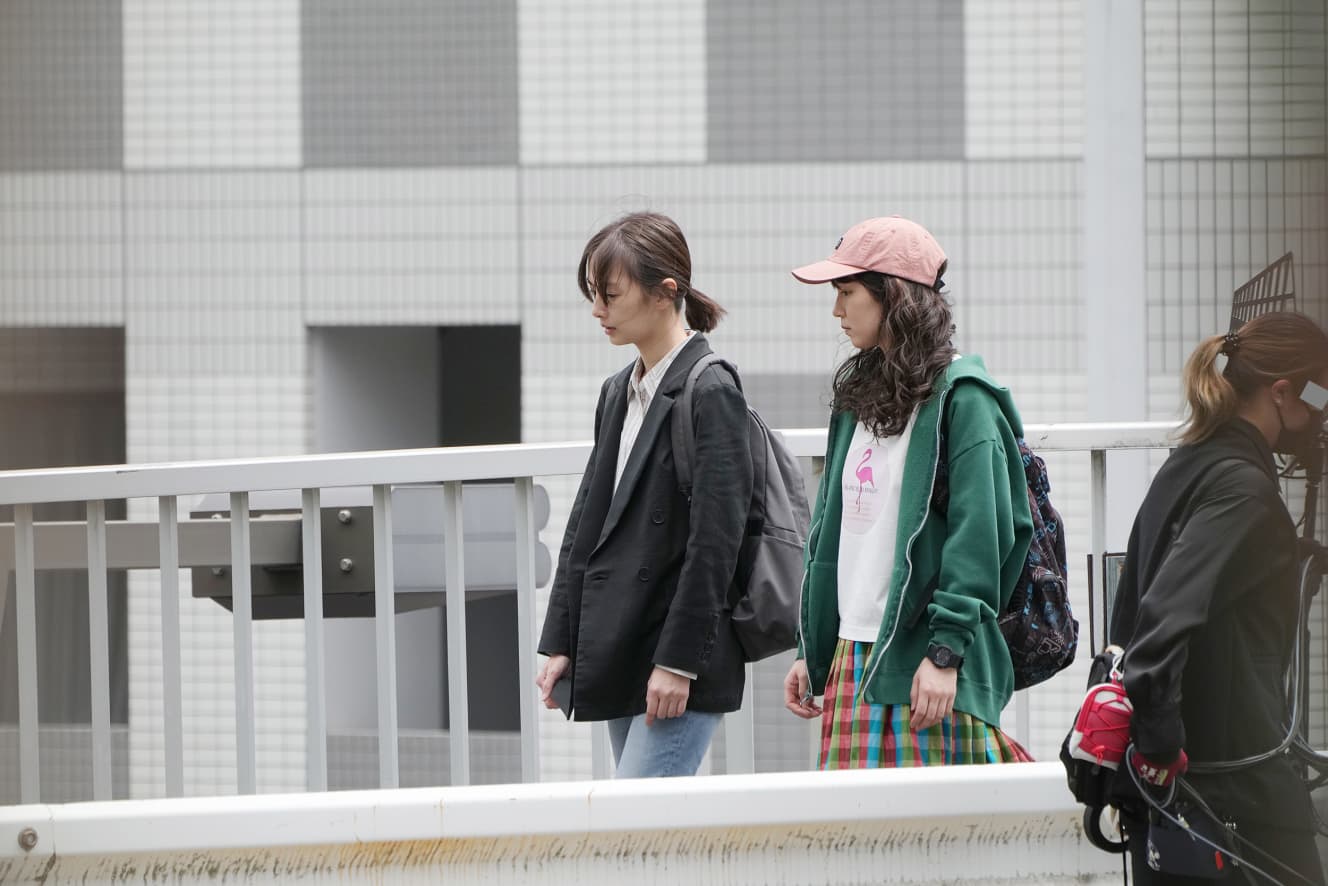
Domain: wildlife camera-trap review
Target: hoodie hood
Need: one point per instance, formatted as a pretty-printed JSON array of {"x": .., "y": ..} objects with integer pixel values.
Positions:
[{"x": 973, "y": 369}]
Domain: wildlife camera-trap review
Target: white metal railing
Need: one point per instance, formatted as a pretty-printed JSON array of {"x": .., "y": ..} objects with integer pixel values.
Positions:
[{"x": 381, "y": 471}]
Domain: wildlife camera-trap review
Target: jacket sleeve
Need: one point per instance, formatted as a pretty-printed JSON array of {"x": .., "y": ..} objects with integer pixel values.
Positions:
[
  {"x": 1176, "y": 602},
  {"x": 986, "y": 516},
  {"x": 556, "y": 636},
  {"x": 980, "y": 537},
  {"x": 721, "y": 498}
]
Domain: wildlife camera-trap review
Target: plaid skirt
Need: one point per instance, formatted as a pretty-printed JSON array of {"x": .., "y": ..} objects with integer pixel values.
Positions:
[{"x": 873, "y": 736}]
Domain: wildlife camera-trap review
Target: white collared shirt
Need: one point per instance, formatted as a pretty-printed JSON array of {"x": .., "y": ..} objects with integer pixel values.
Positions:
[{"x": 641, "y": 388}]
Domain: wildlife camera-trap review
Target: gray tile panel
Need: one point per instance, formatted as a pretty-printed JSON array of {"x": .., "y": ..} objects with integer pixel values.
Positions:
[
  {"x": 789, "y": 400},
  {"x": 409, "y": 83},
  {"x": 840, "y": 80},
  {"x": 61, "y": 85},
  {"x": 65, "y": 762}
]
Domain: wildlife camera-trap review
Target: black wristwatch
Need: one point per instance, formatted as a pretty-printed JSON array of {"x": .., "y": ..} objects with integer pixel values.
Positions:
[{"x": 944, "y": 656}]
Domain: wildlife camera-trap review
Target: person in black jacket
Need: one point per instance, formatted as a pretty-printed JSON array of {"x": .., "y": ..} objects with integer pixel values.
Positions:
[
  {"x": 1206, "y": 609},
  {"x": 638, "y": 626}
]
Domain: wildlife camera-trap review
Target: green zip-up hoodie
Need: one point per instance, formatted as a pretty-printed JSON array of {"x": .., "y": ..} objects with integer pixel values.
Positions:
[{"x": 954, "y": 572}]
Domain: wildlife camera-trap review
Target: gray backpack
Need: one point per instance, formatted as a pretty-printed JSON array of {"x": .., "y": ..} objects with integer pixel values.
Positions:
[{"x": 769, "y": 577}]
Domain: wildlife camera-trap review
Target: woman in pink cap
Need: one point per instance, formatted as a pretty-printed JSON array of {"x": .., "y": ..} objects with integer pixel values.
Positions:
[{"x": 901, "y": 594}]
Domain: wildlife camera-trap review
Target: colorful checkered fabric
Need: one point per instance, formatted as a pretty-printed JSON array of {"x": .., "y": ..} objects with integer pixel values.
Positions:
[{"x": 873, "y": 736}]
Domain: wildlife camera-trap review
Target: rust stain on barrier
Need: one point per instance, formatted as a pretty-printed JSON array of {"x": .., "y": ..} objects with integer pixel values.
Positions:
[{"x": 40, "y": 876}]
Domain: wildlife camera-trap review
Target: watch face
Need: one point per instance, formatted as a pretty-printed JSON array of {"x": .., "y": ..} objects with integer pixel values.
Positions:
[{"x": 943, "y": 656}]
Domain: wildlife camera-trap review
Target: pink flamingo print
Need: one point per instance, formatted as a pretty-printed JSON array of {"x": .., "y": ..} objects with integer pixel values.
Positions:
[{"x": 864, "y": 473}]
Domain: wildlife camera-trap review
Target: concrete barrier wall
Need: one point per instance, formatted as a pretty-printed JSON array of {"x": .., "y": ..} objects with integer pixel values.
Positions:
[{"x": 998, "y": 824}]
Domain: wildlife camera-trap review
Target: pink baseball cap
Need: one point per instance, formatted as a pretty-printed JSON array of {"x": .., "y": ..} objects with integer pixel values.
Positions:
[{"x": 891, "y": 245}]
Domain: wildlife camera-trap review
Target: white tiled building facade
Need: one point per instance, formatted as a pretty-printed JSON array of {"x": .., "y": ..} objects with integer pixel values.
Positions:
[{"x": 217, "y": 180}]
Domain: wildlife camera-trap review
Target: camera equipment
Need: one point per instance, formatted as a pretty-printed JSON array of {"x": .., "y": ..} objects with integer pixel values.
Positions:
[{"x": 1272, "y": 289}]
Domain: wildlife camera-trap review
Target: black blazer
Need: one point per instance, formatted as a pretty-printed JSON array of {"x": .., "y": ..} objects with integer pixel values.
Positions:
[
  {"x": 1206, "y": 611},
  {"x": 644, "y": 576}
]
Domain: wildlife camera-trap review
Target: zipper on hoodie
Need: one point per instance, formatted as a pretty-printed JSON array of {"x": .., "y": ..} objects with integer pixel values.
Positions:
[
  {"x": 908, "y": 556},
  {"x": 802, "y": 589}
]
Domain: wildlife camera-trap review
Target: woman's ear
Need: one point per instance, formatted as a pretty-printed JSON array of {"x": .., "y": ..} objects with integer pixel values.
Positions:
[
  {"x": 1281, "y": 390},
  {"x": 668, "y": 294}
]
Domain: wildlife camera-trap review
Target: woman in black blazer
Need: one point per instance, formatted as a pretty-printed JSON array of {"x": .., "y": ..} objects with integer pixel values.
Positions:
[
  {"x": 1206, "y": 608},
  {"x": 637, "y": 630}
]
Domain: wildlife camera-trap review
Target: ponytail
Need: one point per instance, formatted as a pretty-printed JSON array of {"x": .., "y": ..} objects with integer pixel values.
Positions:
[
  {"x": 703, "y": 312},
  {"x": 1211, "y": 398},
  {"x": 1273, "y": 346}
]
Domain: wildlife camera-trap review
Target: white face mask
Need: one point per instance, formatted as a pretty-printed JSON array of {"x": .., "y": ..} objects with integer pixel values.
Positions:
[{"x": 1315, "y": 396}]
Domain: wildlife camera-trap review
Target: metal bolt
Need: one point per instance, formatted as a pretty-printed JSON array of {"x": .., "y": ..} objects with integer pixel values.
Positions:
[
  {"x": 346, "y": 564},
  {"x": 27, "y": 839},
  {"x": 218, "y": 571},
  {"x": 343, "y": 515}
]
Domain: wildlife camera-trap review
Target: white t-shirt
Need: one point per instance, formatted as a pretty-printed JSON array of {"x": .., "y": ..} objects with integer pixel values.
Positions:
[{"x": 872, "y": 486}]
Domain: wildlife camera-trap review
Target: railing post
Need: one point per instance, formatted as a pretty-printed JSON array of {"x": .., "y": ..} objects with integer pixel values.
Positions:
[
  {"x": 172, "y": 688},
  {"x": 99, "y": 653},
  {"x": 601, "y": 751},
  {"x": 311, "y": 527},
  {"x": 385, "y": 634},
  {"x": 242, "y": 622},
  {"x": 1023, "y": 717},
  {"x": 458, "y": 710},
  {"x": 740, "y": 733},
  {"x": 1098, "y": 506},
  {"x": 25, "y": 612},
  {"x": 523, "y": 496}
]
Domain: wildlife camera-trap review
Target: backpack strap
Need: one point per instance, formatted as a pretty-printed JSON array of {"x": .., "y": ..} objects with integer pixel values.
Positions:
[{"x": 682, "y": 429}]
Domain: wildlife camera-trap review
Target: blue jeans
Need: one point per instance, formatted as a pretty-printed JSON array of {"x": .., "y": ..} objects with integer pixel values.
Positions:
[{"x": 669, "y": 747}]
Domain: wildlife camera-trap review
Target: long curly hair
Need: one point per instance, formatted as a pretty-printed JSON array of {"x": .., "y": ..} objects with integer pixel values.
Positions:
[{"x": 883, "y": 385}]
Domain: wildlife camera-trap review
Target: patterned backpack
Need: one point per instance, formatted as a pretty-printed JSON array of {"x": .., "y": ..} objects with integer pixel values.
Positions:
[{"x": 1039, "y": 628}]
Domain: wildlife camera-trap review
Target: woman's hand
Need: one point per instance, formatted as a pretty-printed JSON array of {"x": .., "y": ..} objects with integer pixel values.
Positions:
[
  {"x": 666, "y": 695},
  {"x": 798, "y": 692},
  {"x": 933, "y": 695},
  {"x": 553, "y": 669}
]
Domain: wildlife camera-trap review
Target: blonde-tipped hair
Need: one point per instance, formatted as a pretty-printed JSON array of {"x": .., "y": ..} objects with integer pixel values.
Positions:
[{"x": 1282, "y": 345}]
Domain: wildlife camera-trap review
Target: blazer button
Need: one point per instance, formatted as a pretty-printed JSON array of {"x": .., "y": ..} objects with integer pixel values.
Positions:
[
  {"x": 643, "y": 573},
  {"x": 657, "y": 516}
]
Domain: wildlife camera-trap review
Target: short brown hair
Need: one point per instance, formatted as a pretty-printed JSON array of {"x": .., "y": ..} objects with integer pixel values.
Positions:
[{"x": 648, "y": 247}]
